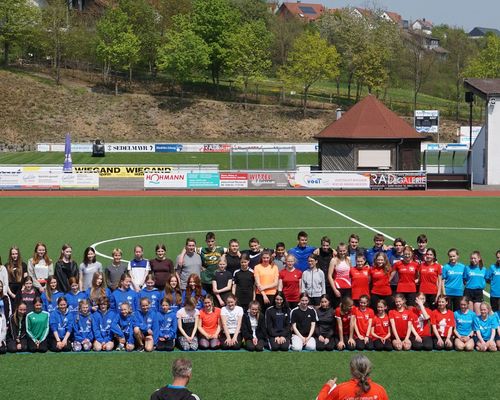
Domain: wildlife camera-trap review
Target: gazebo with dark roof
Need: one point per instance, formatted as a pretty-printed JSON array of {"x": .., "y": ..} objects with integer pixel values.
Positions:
[{"x": 369, "y": 137}]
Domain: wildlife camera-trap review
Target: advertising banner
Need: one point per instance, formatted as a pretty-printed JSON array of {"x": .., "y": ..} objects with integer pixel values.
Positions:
[
  {"x": 168, "y": 148},
  {"x": 267, "y": 180},
  {"x": 216, "y": 148},
  {"x": 315, "y": 180},
  {"x": 174, "y": 180},
  {"x": 116, "y": 171},
  {"x": 49, "y": 180},
  {"x": 398, "y": 180},
  {"x": 233, "y": 180},
  {"x": 200, "y": 180},
  {"x": 130, "y": 147}
]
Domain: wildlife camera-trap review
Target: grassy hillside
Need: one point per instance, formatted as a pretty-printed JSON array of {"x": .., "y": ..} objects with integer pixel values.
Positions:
[{"x": 34, "y": 109}]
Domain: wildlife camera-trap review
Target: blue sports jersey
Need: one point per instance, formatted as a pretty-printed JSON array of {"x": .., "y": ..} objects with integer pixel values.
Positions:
[
  {"x": 147, "y": 321},
  {"x": 167, "y": 324},
  {"x": 120, "y": 296},
  {"x": 74, "y": 301},
  {"x": 493, "y": 276},
  {"x": 474, "y": 277},
  {"x": 61, "y": 323},
  {"x": 464, "y": 322},
  {"x": 83, "y": 328},
  {"x": 50, "y": 306},
  {"x": 485, "y": 326},
  {"x": 101, "y": 325},
  {"x": 154, "y": 297},
  {"x": 453, "y": 278},
  {"x": 371, "y": 252},
  {"x": 302, "y": 254},
  {"x": 123, "y": 327}
]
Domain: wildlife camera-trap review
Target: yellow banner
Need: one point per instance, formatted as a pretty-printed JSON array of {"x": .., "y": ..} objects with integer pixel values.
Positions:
[{"x": 113, "y": 171}]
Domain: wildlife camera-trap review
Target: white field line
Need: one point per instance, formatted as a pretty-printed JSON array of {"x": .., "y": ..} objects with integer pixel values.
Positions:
[{"x": 361, "y": 224}]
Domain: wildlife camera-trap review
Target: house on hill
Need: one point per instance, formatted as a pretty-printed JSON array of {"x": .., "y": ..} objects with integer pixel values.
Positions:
[
  {"x": 307, "y": 12},
  {"x": 422, "y": 25},
  {"x": 478, "y": 32},
  {"x": 369, "y": 137}
]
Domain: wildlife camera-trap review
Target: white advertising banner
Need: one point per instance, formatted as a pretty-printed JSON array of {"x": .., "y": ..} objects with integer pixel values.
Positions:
[
  {"x": 48, "y": 180},
  {"x": 178, "y": 147},
  {"x": 174, "y": 180},
  {"x": 311, "y": 180}
]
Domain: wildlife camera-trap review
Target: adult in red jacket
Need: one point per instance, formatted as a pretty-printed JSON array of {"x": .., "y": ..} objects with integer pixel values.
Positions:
[{"x": 360, "y": 385}]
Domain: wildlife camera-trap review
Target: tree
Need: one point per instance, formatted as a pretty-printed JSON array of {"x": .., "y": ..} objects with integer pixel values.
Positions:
[
  {"x": 214, "y": 21},
  {"x": 249, "y": 56},
  {"x": 145, "y": 23},
  {"x": 285, "y": 31},
  {"x": 460, "y": 51},
  {"x": 17, "y": 19},
  {"x": 55, "y": 32},
  {"x": 252, "y": 10},
  {"x": 117, "y": 45},
  {"x": 487, "y": 62},
  {"x": 348, "y": 32},
  {"x": 418, "y": 61},
  {"x": 184, "y": 53},
  {"x": 310, "y": 60}
]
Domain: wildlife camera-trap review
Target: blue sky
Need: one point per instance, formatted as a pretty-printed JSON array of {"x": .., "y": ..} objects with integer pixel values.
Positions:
[{"x": 462, "y": 13}]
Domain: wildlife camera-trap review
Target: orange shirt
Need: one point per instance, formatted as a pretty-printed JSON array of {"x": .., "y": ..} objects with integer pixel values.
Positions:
[
  {"x": 210, "y": 321},
  {"x": 267, "y": 276},
  {"x": 349, "y": 390}
]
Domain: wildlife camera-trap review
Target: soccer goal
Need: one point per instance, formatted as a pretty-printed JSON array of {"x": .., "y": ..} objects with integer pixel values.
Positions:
[{"x": 271, "y": 158}]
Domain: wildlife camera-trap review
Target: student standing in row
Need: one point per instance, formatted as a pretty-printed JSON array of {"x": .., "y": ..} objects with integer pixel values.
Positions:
[{"x": 65, "y": 268}]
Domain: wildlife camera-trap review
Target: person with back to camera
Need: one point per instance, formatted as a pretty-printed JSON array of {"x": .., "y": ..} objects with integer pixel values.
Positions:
[
  {"x": 360, "y": 386},
  {"x": 182, "y": 373}
]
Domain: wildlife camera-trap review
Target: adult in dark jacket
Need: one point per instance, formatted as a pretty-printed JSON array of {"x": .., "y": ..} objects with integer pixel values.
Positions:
[
  {"x": 17, "y": 339},
  {"x": 278, "y": 324},
  {"x": 65, "y": 268},
  {"x": 253, "y": 328}
]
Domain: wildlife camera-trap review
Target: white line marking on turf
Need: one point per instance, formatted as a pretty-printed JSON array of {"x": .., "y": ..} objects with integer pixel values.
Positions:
[
  {"x": 362, "y": 224},
  {"x": 349, "y": 218}
]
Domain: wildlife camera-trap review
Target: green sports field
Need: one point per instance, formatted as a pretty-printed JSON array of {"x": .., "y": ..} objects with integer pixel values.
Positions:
[{"x": 468, "y": 223}]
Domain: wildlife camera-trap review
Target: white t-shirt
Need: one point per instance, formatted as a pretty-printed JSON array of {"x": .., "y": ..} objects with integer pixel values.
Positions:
[{"x": 232, "y": 317}]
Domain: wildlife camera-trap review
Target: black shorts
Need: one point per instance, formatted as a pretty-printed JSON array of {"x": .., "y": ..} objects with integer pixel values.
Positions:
[
  {"x": 474, "y": 295},
  {"x": 314, "y": 301}
]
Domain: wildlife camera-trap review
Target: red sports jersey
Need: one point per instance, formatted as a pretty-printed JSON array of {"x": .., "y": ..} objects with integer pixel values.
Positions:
[
  {"x": 290, "y": 280},
  {"x": 401, "y": 320},
  {"x": 429, "y": 278},
  {"x": 380, "y": 282},
  {"x": 362, "y": 320},
  {"x": 381, "y": 326},
  {"x": 422, "y": 326},
  {"x": 443, "y": 321},
  {"x": 360, "y": 281},
  {"x": 407, "y": 275},
  {"x": 346, "y": 320}
]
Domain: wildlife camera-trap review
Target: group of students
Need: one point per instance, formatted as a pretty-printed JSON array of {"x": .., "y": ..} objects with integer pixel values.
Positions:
[{"x": 380, "y": 298}]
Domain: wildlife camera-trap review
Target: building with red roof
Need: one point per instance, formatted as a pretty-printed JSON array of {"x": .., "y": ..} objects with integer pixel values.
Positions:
[
  {"x": 369, "y": 137},
  {"x": 307, "y": 12}
]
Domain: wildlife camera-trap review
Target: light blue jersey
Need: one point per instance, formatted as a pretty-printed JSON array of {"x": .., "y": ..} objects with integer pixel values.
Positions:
[
  {"x": 493, "y": 276},
  {"x": 464, "y": 322},
  {"x": 453, "y": 278},
  {"x": 486, "y": 326},
  {"x": 474, "y": 277}
]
